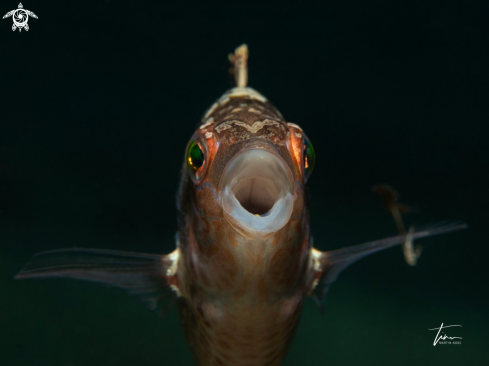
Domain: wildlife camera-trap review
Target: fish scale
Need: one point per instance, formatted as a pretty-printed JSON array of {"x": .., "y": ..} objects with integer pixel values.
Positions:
[{"x": 243, "y": 335}]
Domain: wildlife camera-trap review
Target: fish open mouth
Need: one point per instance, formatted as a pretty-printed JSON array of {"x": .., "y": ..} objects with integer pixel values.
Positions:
[{"x": 257, "y": 191}]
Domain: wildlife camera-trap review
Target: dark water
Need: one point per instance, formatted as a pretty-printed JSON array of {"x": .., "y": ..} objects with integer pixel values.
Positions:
[{"x": 99, "y": 99}]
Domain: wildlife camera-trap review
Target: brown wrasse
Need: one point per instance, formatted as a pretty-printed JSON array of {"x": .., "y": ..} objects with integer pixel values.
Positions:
[{"x": 244, "y": 261}]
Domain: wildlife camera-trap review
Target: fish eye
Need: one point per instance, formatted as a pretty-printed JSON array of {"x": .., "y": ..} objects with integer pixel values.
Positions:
[
  {"x": 195, "y": 159},
  {"x": 309, "y": 158}
]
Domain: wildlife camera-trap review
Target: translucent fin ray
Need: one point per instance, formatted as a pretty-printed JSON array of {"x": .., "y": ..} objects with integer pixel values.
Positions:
[
  {"x": 333, "y": 262},
  {"x": 147, "y": 276}
]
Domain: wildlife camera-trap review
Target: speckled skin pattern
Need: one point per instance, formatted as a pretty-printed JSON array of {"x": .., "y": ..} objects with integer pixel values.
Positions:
[{"x": 241, "y": 293}]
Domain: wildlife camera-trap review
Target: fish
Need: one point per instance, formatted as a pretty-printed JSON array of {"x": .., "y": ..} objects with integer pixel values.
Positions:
[{"x": 244, "y": 261}]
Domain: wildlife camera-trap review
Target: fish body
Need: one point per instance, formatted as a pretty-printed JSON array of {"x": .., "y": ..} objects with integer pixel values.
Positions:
[
  {"x": 244, "y": 261},
  {"x": 243, "y": 288}
]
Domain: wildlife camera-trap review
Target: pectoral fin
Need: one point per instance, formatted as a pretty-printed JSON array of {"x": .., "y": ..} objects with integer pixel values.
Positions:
[
  {"x": 328, "y": 265},
  {"x": 151, "y": 277}
]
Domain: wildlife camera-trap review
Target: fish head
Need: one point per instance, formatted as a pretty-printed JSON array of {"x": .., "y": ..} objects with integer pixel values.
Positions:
[
  {"x": 246, "y": 172},
  {"x": 254, "y": 162}
]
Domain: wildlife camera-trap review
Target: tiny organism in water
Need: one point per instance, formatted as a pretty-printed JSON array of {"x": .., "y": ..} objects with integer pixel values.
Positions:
[{"x": 388, "y": 197}]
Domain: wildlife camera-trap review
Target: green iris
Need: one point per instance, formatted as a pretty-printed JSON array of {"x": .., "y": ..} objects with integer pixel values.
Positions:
[
  {"x": 309, "y": 158},
  {"x": 195, "y": 156}
]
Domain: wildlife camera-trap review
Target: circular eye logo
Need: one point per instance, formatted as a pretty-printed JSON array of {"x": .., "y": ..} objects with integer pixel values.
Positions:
[{"x": 20, "y": 17}]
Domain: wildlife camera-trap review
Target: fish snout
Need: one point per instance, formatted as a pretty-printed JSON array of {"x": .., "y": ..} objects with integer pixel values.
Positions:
[{"x": 257, "y": 190}]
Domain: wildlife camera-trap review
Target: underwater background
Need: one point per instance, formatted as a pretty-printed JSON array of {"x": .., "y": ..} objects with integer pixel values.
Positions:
[{"x": 99, "y": 99}]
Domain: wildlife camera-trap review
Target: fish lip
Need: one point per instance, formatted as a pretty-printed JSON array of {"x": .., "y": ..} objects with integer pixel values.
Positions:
[{"x": 256, "y": 189}]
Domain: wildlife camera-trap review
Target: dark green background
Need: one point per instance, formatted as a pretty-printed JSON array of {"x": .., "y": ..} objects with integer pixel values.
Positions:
[{"x": 99, "y": 98}]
